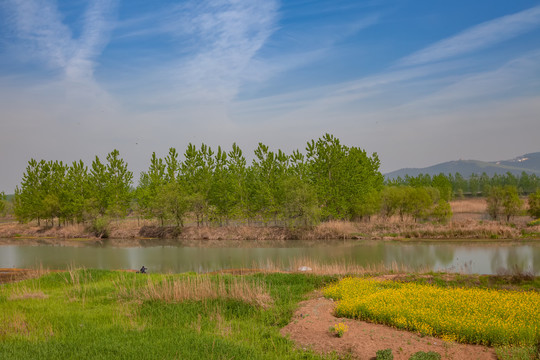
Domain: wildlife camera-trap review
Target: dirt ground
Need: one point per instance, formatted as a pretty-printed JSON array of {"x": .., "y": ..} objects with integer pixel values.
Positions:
[{"x": 309, "y": 329}]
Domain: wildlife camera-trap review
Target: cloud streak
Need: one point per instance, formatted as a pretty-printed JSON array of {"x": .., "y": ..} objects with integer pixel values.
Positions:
[
  {"x": 46, "y": 38},
  {"x": 478, "y": 37},
  {"x": 230, "y": 34}
]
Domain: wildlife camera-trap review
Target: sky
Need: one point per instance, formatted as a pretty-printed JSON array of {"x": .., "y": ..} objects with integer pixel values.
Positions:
[{"x": 416, "y": 81}]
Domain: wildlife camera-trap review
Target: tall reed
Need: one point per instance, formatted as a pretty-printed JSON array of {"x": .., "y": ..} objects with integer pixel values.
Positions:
[{"x": 198, "y": 287}]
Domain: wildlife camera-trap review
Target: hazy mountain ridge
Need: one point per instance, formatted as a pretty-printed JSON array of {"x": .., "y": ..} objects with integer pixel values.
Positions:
[{"x": 530, "y": 163}]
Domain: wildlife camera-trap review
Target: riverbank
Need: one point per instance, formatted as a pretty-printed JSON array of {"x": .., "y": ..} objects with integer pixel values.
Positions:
[
  {"x": 135, "y": 233},
  {"x": 86, "y": 313}
]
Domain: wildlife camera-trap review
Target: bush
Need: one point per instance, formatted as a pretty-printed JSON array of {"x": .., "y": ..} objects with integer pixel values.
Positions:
[
  {"x": 534, "y": 204},
  {"x": 442, "y": 212},
  {"x": 385, "y": 354},
  {"x": 100, "y": 227},
  {"x": 432, "y": 355},
  {"x": 503, "y": 201}
]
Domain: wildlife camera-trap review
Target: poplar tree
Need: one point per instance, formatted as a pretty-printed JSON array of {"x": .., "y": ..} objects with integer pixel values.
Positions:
[{"x": 342, "y": 176}]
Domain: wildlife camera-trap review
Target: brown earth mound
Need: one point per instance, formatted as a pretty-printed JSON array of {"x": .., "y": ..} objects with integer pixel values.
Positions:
[{"x": 309, "y": 329}]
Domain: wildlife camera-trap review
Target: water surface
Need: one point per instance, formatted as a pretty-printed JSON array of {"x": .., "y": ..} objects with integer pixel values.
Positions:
[{"x": 468, "y": 257}]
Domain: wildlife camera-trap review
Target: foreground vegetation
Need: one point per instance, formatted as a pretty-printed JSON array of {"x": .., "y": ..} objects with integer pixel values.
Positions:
[
  {"x": 99, "y": 314},
  {"x": 93, "y": 314}
]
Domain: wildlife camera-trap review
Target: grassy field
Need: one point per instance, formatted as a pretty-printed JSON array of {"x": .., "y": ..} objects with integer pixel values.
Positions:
[{"x": 94, "y": 314}]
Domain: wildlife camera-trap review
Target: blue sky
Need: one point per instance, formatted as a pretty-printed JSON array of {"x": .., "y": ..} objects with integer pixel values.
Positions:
[{"x": 419, "y": 82}]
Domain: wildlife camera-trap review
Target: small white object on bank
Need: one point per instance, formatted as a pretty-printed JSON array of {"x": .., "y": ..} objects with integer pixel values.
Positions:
[{"x": 304, "y": 268}]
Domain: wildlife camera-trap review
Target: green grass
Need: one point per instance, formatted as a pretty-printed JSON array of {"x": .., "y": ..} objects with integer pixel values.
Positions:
[{"x": 83, "y": 315}]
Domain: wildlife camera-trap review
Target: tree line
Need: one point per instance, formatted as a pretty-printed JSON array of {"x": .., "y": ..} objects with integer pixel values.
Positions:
[
  {"x": 474, "y": 185},
  {"x": 328, "y": 180}
]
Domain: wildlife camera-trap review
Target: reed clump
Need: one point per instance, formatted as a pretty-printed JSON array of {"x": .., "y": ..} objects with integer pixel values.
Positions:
[
  {"x": 198, "y": 288},
  {"x": 334, "y": 230},
  {"x": 334, "y": 268}
]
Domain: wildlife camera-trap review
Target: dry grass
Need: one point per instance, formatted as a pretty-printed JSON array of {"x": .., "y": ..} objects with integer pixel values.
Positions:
[
  {"x": 474, "y": 205},
  {"x": 235, "y": 233},
  {"x": 197, "y": 288},
  {"x": 32, "y": 230},
  {"x": 14, "y": 274},
  {"x": 24, "y": 292},
  {"x": 127, "y": 228},
  {"x": 338, "y": 267},
  {"x": 334, "y": 230}
]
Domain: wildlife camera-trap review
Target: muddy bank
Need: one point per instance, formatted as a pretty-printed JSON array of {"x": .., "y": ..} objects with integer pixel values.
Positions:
[{"x": 133, "y": 233}]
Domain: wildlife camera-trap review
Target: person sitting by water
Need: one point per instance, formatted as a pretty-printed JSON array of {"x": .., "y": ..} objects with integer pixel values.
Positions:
[{"x": 143, "y": 270}]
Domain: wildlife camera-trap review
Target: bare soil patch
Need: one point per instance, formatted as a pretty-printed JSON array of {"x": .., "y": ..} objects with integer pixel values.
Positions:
[{"x": 309, "y": 329}]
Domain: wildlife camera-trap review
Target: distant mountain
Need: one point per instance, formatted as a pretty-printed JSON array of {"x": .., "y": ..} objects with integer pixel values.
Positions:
[{"x": 530, "y": 163}]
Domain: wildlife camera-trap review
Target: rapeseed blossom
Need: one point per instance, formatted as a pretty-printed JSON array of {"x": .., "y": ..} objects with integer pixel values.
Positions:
[
  {"x": 339, "y": 329},
  {"x": 477, "y": 316}
]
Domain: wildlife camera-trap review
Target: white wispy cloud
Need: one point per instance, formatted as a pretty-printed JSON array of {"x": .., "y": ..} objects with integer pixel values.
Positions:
[
  {"x": 39, "y": 25},
  {"x": 229, "y": 35},
  {"x": 478, "y": 37},
  {"x": 46, "y": 38},
  {"x": 98, "y": 24}
]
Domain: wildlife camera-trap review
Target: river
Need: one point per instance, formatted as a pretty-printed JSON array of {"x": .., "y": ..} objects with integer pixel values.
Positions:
[{"x": 455, "y": 256}]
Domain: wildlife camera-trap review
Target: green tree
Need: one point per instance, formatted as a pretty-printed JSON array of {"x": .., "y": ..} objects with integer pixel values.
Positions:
[
  {"x": 236, "y": 166},
  {"x": 265, "y": 182},
  {"x": 174, "y": 203},
  {"x": 394, "y": 201},
  {"x": 118, "y": 186},
  {"x": 443, "y": 184},
  {"x": 38, "y": 196},
  {"x": 370, "y": 205},
  {"x": 147, "y": 191},
  {"x": 494, "y": 200},
  {"x": 342, "y": 176},
  {"x": 484, "y": 184},
  {"x": 474, "y": 184},
  {"x": 98, "y": 201},
  {"x": 3, "y": 199},
  {"x": 503, "y": 201},
  {"x": 74, "y": 192},
  {"x": 110, "y": 187},
  {"x": 459, "y": 186},
  {"x": 418, "y": 202},
  {"x": 300, "y": 207},
  {"x": 534, "y": 204},
  {"x": 512, "y": 204}
]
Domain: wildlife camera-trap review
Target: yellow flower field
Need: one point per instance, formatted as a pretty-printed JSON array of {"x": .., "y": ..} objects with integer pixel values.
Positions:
[{"x": 476, "y": 316}]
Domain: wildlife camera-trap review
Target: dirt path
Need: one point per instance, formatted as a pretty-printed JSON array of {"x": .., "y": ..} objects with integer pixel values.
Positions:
[{"x": 310, "y": 324}]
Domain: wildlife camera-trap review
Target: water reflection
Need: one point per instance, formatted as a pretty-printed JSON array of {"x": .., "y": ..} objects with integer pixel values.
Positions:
[{"x": 481, "y": 258}]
